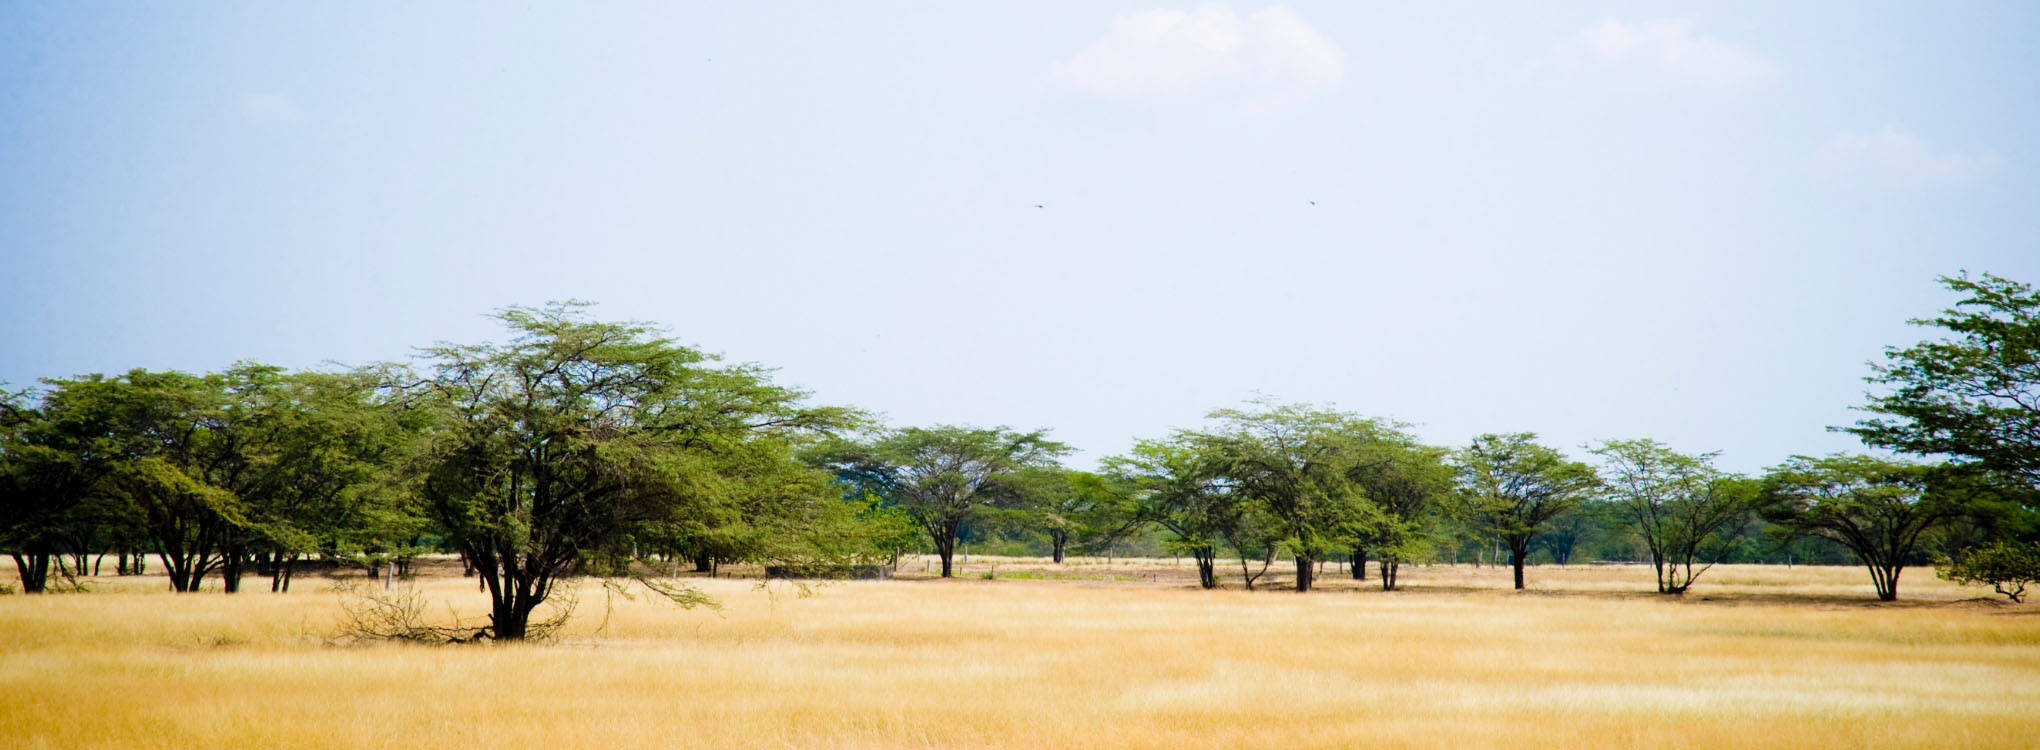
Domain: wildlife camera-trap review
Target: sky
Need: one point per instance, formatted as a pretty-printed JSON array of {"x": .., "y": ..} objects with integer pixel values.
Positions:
[{"x": 1696, "y": 223}]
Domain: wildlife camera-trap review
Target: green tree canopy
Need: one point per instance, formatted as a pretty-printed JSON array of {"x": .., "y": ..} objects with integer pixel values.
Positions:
[
  {"x": 553, "y": 452},
  {"x": 943, "y": 476},
  {"x": 1880, "y": 509},
  {"x": 1680, "y": 505},
  {"x": 1973, "y": 395},
  {"x": 1512, "y": 488},
  {"x": 1296, "y": 464}
]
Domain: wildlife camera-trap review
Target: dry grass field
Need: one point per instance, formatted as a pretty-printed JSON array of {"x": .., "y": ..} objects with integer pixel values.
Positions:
[{"x": 1083, "y": 655}]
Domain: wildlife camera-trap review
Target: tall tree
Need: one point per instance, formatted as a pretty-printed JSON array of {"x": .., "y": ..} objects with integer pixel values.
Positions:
[
  {"x": 1973, "y": 395},
  {"x": 1295, "y": 462},
  {"x": 1680, "y": 506},
  {"x": 1512, "y": 488},
  {"x": 556, "y": 448},
  {"x": 1878, "y": 508},
  {"x": 943, "y": 476}
]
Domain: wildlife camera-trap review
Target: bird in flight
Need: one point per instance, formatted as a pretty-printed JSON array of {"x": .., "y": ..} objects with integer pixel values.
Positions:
[
  {"x": 1313, "y": 203},
  {"x": 1037, "y": 205}
]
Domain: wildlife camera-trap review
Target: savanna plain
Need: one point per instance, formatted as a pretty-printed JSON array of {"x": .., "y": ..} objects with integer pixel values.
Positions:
[{"x": 1091, "y": 653}]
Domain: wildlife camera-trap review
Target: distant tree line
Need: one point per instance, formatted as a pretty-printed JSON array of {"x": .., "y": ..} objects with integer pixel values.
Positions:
[{"x": 579, "y": 447}]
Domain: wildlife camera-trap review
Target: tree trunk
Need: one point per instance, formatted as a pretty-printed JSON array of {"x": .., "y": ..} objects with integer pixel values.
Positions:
[
  {"x": 231, "y": 570},
  {"x": 1887, "y": 583},
  {"x": 35, "y": 571},
  {"x": 1359, "y": 563},
  {"x": 1388, "y": 572},
  {"x": 1058, "y": 539},
  {"x": 181, "y": 579},
  {"x": 944, "y": 535},
  {"x": 1304, "y": 569},
  {"x": 1517, "y": 555},
  {"x": 1207, "y": 567},
  {"x": 280, "y": 570},
  {"x": 703, "y": 562}
]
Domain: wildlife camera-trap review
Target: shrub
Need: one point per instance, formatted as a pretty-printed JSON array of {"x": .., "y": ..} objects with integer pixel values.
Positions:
[{"x": 2006, "y": 566}]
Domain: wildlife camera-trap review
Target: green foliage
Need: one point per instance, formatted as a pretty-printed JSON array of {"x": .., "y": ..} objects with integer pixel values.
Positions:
[
  {"x": 1879, "y": 509},
  {"x": 565, "y": 447},
  {"x": 1403, "y": 481},
  {"x": 1512, "y": 489},
  {"x": 1172, "y": 485},
  {"x": 1974, "y": 395},
  {"x": 1294, "y": 466},
  {"x": 2005, "y": 566},
  {"x": 1682, "y": 508},
  {"x": 942, "y": 476}
]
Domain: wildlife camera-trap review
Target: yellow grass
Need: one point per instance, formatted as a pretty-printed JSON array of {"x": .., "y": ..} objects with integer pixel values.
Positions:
[{"x": 1771, "y": 658}]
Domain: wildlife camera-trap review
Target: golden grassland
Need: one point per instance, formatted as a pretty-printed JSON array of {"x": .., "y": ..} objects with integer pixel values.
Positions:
[{"x": 1127, "y": 654}]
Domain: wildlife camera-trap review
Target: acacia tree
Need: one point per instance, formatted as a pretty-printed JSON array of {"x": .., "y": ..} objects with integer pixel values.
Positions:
[
  {"x": 40, "y": 489},
  {"x": 554, "y": 449},
  {"x": 1679, "y": 505},
  {"x": 943, "y": 476},
  {"x": 154, "y": 442},
  {"x": 1294, "y": 463},
  {"x": 1066, "y": 504},
  {"x": 1512, "y": 488},
  {"x": 1974, "y": 395},
  {"x": 1172, "y": 486},
  {"x": 1877, "y": 508},
  {"x": 1403, "y": 480},
  {"x": 328, "y": 476}
]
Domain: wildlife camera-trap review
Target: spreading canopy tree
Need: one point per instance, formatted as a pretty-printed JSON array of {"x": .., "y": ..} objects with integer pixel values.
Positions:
[
  {"x": 1880, "y": 509},
  {"x": 1065, "y": 504},
  {"x": 943, "y": 476},
  {"x": 1296, "y": 464},
  {"x": 1680, "y": 506},
  {"x": 1170, "y": 484},
  {"x": 555, "y": 450},
  {"x": 1512, "y": 487},
  {"x": 1403, "y": 480}
]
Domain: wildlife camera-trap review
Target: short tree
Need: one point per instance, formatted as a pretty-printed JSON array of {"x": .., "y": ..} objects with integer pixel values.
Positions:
[
  {"x": 1170, "y": 485},
  {"x": 1065, "y": 504},
  {"x": 2004, "y": 566},
  {"x": 1877, "y": 508},
  {"x": 1680, "y": 506},
  {"x": 1403, "y": 480},
  {"x": 943, "y": 476},
  {"x": 1512, "y": 488}
]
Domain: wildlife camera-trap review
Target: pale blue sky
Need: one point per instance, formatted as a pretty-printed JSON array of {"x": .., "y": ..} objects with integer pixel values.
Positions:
[{"x": 1692, "y": 222}]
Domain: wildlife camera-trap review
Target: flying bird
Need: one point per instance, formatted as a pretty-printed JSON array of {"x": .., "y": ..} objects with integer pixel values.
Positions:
[{"x": 1037, "y": 205}]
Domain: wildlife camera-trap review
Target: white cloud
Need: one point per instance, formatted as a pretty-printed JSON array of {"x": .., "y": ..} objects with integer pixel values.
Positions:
[
  {"x": 1268, "y": 60},
  {"x": 1895, "y": 158},
  {"x": 271, "y": 109},
  {"x": 1660, "y": 53}
]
